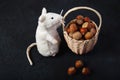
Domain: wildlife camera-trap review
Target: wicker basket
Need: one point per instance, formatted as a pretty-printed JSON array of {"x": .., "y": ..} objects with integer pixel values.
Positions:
[{"x": 82, "y": 46}]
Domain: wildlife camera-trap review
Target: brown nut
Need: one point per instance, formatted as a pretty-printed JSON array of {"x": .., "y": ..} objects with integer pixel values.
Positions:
[
  {"x": 68, "y": 30},
  {"x": 93, "y": 31},
  {"x": 73, "y": 27},
  {"x": 83, "y": 31},
  {"x": 71, "y": 34},
  {"x": 88, "y": 35},
  {"x": 71, "y": 70},
  {"x": 85, "y": 25},
  {"x": 87, "y": 19},
  {"x": 73, "y": 21},
  {"x": 92, "y": 25},
  {"x": 79, "y": 21},
  {"x": 79, "y": 17},
  {"x": 79, "y": 63},
  {"x": 77, "y": 35},
  {"x": 85, "y": 71}
]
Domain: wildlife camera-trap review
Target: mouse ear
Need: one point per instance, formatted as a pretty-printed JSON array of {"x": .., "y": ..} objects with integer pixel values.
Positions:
[
  {"x": 42, "y": 18},
  {"x": 44, "y": 11}
]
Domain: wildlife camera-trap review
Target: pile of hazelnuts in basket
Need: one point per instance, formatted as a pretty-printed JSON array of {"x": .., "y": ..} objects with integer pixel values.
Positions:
[{"x": 81, "y": 28}]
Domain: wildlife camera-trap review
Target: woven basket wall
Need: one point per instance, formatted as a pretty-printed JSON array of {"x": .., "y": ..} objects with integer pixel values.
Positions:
[{"x": 81, "y": 46}]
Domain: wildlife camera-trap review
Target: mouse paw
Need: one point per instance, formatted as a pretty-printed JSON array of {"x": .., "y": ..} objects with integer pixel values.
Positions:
[
  {"x": 55, "y": 41},
  {"x": 53, "y": 55}
]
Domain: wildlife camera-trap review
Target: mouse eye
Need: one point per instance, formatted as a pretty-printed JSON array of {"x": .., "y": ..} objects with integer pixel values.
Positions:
[{"x": 52, "y": 17}]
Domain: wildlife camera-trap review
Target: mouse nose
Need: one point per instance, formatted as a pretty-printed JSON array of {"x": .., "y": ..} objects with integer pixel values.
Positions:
[{"x": 62, "y": 20}]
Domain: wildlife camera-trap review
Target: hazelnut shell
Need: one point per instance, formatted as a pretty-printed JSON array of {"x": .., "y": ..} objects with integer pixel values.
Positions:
[
  {"x": 73, "y": 27},
  {"x": 68, "y": 30},
  {"x": 87, "y": 19},
  {"x": 71, "y": 70},
  {"x": 79, "y": 17},
  {"x": 93, "y": 30},
  {"x": 79, "y": 63},
  {"x": 77, "y": 35},
  {"x": 85, "y": 71},
  {"x": 88, "y": 35},
  {"x": 83, "y": 31},
  {"x": 85, "y": 25},
  {"x": 71, "y": 35},
  {"x": 92, "y": 25},
  {"x": 79, "y": 22}
]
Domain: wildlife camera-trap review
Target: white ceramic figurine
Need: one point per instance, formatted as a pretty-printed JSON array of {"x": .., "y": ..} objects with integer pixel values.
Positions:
[{"x": 47, "y": 37}]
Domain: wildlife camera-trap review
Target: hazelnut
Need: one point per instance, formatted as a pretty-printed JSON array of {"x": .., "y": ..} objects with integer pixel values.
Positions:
[
  {"x": 77, "y": 35},
  {"x": 85, "y": 71},
  {"x": 79, "y": 22},
  {"x": 73, "y": 21},
  {"x": 92, "y": 25},
  {"x": 85, "y": 25},
  {"x": 79, "y": 63},
  {"x": 71, "y": 34},
  {"x": 87, "y": 19},
  {"x": 71, "y": 70},
  {"x": 79, "y": 17},
  {"x": 83, "y": 31},
  {"x": 93, "y": 30},
  {"x": 68, "y": 30},
  {"x": 88, "y": 35},
  {"x": 73, "y": 27}
]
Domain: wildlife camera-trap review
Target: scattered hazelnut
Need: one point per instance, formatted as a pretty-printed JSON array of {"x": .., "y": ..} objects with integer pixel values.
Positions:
[
  {"x": 83, "y": 31},
  {"x": 85, "y": 25},
  {"x": 93, "y": 30},
  {"x": 87, "y": 19},
  {"x": 79, "y": 17},
  {"x": 85, "y": 71},
  {"x": 79, "y": 22},
  {"x": 88, "y": 35},
  {"x": 71, "y": 70},
  {"x": 79, "y": 64},
  {"x": 77, "y": 35},
  {"x": 73, "y": 27}
]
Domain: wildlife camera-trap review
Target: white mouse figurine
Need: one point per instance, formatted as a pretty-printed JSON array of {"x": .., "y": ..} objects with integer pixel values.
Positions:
[{"x": 47, "y": 37}]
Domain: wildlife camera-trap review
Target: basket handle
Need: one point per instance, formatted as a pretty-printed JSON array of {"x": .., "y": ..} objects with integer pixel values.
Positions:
[{"x": 88, "y": 8}]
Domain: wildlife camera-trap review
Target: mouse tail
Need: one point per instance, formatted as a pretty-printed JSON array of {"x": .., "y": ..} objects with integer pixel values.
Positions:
[{"x": 28, "y": 52}]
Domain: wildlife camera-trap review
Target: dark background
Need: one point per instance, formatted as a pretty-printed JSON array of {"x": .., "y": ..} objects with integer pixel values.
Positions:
[{"x": 18, "y": 22}]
